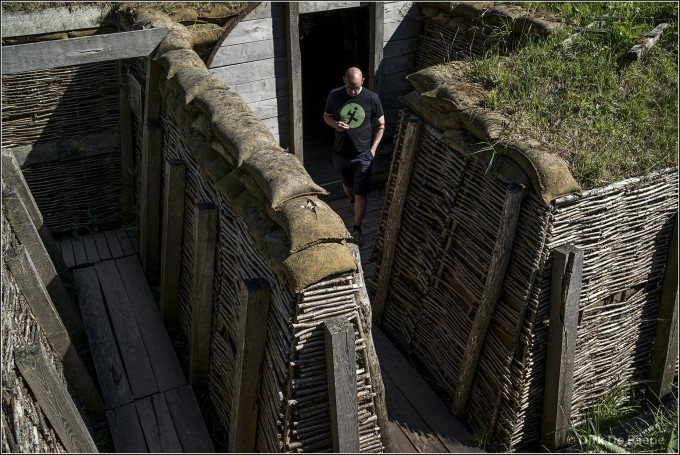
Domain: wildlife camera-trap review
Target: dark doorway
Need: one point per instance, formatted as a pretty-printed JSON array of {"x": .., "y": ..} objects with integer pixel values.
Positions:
[{"x": 330, "y": 42}]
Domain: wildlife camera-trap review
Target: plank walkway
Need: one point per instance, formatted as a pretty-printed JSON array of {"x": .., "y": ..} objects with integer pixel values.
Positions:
[
  {"x": 419, "y": 421},
  {"x": 150, "y": 405}
]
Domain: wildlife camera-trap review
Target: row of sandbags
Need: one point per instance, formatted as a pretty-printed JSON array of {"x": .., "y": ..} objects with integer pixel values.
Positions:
[
  {"x": 453, "y": 104},
  {"x": 301, "y": 237}
]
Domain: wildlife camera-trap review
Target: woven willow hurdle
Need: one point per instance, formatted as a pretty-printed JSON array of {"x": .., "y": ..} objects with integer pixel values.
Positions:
[{"x": 449, "y": 224}]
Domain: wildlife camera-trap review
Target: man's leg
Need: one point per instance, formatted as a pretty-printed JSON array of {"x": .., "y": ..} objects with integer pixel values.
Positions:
[
  {"x": 349, "y": 192},
  {"x": 360, "y": 204}
]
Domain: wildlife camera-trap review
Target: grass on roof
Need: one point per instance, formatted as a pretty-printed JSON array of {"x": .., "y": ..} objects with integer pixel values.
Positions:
[{"x": 608, "y": 118}]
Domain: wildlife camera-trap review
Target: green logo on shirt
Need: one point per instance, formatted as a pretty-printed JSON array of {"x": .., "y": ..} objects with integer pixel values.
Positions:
[{"x": 352, "y": 114}]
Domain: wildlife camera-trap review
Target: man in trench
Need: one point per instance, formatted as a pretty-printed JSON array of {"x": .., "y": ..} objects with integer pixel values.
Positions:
[{"x": 356, "y": 115}]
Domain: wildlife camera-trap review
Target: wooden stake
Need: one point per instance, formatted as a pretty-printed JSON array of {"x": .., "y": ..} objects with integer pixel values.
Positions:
[
  {"x": 171, "y": 241},
  {"x": 492, "y": 290},
  {"x": 393, "y": 224},
  {"x": 54, "y": 399},
  {"x": 127, "y": 154},
  {"x": 664, "y": 355},
  {"x": 342, "y": 384},
  {"x": 377, "y": 19},
  {"x": 205, "y": 238},
  {"x": 567, "y": 270},
  {"x": 254, "y": 297},
  {"x": 294, "y": 78}
]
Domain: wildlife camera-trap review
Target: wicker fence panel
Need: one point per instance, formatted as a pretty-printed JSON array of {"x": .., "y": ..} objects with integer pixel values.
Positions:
[{"x": 439, "y": 44}]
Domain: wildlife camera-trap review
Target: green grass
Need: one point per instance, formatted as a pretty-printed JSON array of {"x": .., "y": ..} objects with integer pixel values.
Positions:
[{"x": 609, "y": 119}]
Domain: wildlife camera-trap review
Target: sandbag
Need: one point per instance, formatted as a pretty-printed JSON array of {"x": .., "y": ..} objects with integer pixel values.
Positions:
[
  {"x": 220, "y": 102},
  {"x": 172, "y": 61},
  {"x": 190, "y": 82},
  {"x": 549, "y": 174},
  {"x": 281, "y": 176},
  {"x": 244, "y": 204},
  {"x": 174, "y": 40},
  {"x": 229, "y": 186},
  {"x": 219, "y": 148},
  {"x": 217, "y": 168},
  {"x": 200, "y": 150},
  {"x": 308, "y": 221},
  {"x": 432, "y": 77},
  {"x": 317, "y": 263},
  {"x": 455, "y": 96},
  {"x": 274, "y": 246},
  {"x": 201, "y": 124},
  {"x": 242, "y": 134},
  {"x": 484, "y": 124},
  {"x": 441, "y": 121}
]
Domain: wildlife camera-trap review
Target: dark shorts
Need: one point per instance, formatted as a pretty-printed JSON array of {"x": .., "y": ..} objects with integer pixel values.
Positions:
[{"x": 355, "y": 172}]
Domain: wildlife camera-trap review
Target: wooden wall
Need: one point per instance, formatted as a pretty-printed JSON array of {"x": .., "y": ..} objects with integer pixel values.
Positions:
[{"x": 252, "y": 60}]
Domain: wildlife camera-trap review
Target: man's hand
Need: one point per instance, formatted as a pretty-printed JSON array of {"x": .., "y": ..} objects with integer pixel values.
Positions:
[{"x": 341, "y": 126}]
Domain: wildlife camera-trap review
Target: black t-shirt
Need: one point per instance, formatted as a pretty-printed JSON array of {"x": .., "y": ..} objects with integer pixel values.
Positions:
[{"x": 358, "y": 112}]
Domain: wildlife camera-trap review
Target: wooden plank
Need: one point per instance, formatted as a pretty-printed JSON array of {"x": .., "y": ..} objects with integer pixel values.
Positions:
[
  {"x": 278, "y": 125},
  {"x": 52, "y": 20},
  {"x": 565, "y": 290},
  {"x": 424, "y": 400},
  {"x": 159, "y": 348},
  {"x": 159, "y": 431},
  {"x": 402, "y": 21},
  {"x": 242, "y": 73},
  {"x": 397, "y": 48},
  {"x": 405, "y": 62},
  {"x": 255, "y": 30},
  {"x": 254, "y": 297},
  {"x": 102, "y": 246},
  {"x": 171, "y": 241},
  {"x": 124, "y": 242},
  {"x": 134, "y": 94},
  {"x": 273, "y": 107},
  {"x": 114, "y": 244},
  {"x": 67, "y": 253},
  {"x": 249, "y": 52},
  {"x": 294, "y": 65},
  {"x": 107, "y": 362},
  {"x": 188, "y": 421},
  {"x": 79, "y": 251},
  {"x": 650, "y": 38},
  {"x": 21, "y": 58},
  {"x": 395, "y": 82},
  {"x": 90, "y": 249},
  {"x": 53, "y": 398},
  {"x": 205, "y": 238},
  {"x": 126, "y": 430},
  {"x": 127, "y": 154},
  {"x": 317, "y": 7},
  {"x": 133, "y": 235},
  {"x": 262, "y": 9},
  {"x": 664, "y": 354},
  {"x": 342, "y": 384},
  {"x": 394, "y": 216},
  {"x": 500, "y": 258},
  {"x": 139, "y": 372},
  {"x": 51, "y": 324},
  {"x": 18, "y": 216},
  {"x": 262, "y": 90},
  {"x": 375, "y": 45},
  {"x": 402, "y": 444}
]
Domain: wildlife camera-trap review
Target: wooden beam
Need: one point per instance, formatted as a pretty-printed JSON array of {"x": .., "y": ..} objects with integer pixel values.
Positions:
[
  {"x": 377, "y": 24},
  {"x": 149, "y": 204},
  {"x": 14, "y": 177},
  {"x": 231, "y": 25},
  {"x": 567, "y": 270},
  {"x": 27, "y": 279},
  {"x": 203, "y": 272},
  {"x": 171, "y": 240},
  {"x": 53, "y": 398},
  {"x": 650, "y": 38},
  {"x": 342, "y": 384},
  {"x": 492, "y": 289},
  {"x": 21, "y": 58},
  {"x": 22, "y": 224},
  {"x": 53, "y": 20},
  {"x": 664, "y": 355},
  {"x": 294, "y": 78},
  {"x": 127, "y": 153},
  {"x": 315, "y": 7},
  {"x": 254, "y": 296},
  {"x": 393, "y": 224}
]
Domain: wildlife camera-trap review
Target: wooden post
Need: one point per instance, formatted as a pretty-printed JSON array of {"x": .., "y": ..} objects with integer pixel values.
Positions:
[
  {"x": 21, "y": 222},
  {"x": 149, "y": 204},
  {"x": 294, "y": 78},
  {"x": 342, "y": 384},
  {"x": 492, "y": 290},
  {"x": 372, "y": 361},
  {"x": 127, "y": 171},
  {"x": 377, "y": 19},
  {"x": 254, "y": 296},
  {"x": 205, "y": 239},
  {"x": 567, "y": 270},
  {"x": 664, "y": 355},
  {"x": 393, "y": 224},
  {"x": 54, "y": 399},
  {"x": 14, "y": 177},
  {"x": 26, "y": 277},
  {"x": 171, "y": 241}
]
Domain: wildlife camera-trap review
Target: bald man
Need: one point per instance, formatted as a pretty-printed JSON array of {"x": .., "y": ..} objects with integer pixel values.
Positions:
[{"x": 356, "y": 115}]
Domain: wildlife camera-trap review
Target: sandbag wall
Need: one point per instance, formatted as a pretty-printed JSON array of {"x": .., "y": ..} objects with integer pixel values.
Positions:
[
  {"x": 449, "y": 227},
  {"x": 59, "y": 121},
  {"x": 461, "y": 30},
  {"x": 271, "y": 225}
]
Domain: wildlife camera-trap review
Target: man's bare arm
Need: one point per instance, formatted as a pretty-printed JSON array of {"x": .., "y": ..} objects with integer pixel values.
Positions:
[
  {"x": 379, "y": 125},
  {"x": 338, "y": 126}
]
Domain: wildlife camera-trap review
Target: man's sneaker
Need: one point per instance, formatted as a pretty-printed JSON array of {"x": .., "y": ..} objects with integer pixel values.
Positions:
[{"x": 356, "y": 236}]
